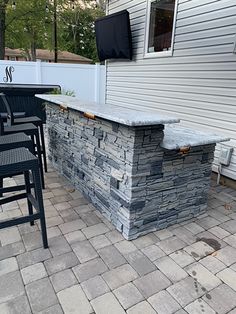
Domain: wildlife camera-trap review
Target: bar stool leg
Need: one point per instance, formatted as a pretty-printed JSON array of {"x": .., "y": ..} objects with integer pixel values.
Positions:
[
  {"x": 39, "y": 197},
  {"x": 28, "y": 191},
  {"x": 1, "y": 186},
  {"x": 43, "y": 148},
  {"x": 40, "y": 158}
]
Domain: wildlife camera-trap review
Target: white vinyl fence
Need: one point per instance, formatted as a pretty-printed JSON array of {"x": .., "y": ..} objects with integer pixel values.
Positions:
[{"x": 86, "y": 81}]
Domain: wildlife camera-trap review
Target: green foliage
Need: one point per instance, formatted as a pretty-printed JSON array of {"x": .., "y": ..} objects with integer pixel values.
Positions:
[
  {"x": 63, "y": 92},
  {"x": 79, "y": 35},
  {"x": 30, "y": 26}
]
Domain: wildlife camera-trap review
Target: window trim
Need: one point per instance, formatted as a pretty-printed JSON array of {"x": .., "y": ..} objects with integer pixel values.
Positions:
[{"x": 159, "y": 54}]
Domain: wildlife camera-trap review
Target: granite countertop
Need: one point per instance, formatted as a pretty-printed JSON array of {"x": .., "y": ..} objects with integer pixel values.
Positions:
[
  {"x": 176, "y": 136},
  {"x": 127, "y": 116}
]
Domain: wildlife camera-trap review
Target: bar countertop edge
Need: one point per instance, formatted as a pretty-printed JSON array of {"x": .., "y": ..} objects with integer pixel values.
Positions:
[{"x": 122, "y": 115}]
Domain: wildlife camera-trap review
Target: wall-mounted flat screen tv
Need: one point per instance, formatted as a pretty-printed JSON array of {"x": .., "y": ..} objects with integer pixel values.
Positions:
[{"x": 113, "y": 36}]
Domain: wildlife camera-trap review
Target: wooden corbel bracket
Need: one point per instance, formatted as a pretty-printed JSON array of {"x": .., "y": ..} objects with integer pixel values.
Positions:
[
  {"x": 63, "y": 108},
  {"x": 89, "y": 115},
  {"x": 184, "y": 150}
]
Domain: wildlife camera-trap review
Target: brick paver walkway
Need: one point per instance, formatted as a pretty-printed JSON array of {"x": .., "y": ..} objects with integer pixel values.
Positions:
[{"x": 90, "y": 268}]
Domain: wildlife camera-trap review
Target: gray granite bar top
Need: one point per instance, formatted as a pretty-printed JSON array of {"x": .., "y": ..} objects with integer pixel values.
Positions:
[
  {"x": 127, "y": 116},
  {"x": 176, "y": 137}
]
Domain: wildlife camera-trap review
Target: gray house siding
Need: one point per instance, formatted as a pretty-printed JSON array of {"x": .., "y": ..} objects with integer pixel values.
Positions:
[{"x": 196, "y": 84}]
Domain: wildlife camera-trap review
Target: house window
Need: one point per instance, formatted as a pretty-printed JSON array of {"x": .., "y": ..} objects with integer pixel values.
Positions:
[{"x": 160, "y": 27}]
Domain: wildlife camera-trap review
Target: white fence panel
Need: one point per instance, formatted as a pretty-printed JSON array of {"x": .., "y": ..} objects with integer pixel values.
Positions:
[{"x": 86, "y": 81}]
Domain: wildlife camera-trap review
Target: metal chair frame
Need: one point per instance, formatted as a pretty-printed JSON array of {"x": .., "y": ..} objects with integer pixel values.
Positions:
[
  {"x": 30, "y": 130},
  {"x": 21, "y": 160},
  {"x": 12, "y": 120}
]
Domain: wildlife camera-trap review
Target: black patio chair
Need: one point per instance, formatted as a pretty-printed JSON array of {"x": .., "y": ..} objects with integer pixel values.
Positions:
[
  {"x": 16, "y": 115},
  {"x": 12, "y": 141},
  {"x": 30, "y": 130},
  {"x": 22, "y": 160},
  {"x": 13, "y": 120}
]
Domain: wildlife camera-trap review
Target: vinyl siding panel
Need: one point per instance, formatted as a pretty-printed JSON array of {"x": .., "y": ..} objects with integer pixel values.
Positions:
[{"x": 196, "y": 84}]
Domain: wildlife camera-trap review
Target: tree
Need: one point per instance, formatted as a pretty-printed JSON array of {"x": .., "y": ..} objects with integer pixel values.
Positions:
[
  {"x": 26, "y": 26},
  {"x": 3, "y": 4},
  {"x": 33, "y": 24},
  {"x": 78, "y": 35}
]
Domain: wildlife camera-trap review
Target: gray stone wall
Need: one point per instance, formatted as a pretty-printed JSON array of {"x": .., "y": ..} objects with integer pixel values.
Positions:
[{"x": 123, "y": 171}]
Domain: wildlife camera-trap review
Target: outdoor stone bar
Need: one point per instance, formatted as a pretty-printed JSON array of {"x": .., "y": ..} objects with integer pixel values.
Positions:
[{"x": 140, "y": 174}]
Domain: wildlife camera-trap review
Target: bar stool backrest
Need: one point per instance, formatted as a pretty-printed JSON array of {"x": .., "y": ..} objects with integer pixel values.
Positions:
[{"x": 10, "y": 116}]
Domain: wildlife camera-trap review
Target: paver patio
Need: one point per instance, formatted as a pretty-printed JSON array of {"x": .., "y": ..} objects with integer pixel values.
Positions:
[{"x": 90, "y": 268}]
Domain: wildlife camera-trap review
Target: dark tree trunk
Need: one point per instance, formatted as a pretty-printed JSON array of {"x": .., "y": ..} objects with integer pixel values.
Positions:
[
  {"x": 33, "y": 50},
  {"x": 3, "y": 4}
]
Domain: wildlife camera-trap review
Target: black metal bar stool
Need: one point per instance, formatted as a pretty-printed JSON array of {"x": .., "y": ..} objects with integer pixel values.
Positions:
[
  {"x": 30, "y": 130},
  {"x": 13, "y": 120},
  {"x": 12, "y": 141},
  {"x": 16, "y": 115},
  {"x": 17, "y": 161}
]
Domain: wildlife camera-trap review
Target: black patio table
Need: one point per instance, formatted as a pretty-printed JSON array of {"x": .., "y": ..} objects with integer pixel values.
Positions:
[{"x": 22, "y": 98}]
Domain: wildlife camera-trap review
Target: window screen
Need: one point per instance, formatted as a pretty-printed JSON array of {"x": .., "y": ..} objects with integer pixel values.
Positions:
[{"x": 161, "y": 25}]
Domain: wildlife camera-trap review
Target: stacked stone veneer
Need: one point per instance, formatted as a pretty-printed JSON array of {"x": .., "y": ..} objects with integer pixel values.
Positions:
[{"x": 139, "y": 186}]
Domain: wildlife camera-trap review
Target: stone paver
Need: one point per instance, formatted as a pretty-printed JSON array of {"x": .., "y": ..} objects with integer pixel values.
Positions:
[
  {"x": 219, "y": 232},
  {"x": 193, "y": 227},
  {"x": 231, "y": 240},
  {"x": 33, "y": 257},
  {"x": 55, "y": 309},
  {"x": 8, "y": 265},
  {"x": 153, "y": 252},
  {"x": 128, "y": 295},
  {"x": 32, "y": 240},
  {"x": 62, "y": 280},
  {"x": 107, "y": 304},
  {"x": 18, "y": 305},
  {"x": 119, "y": 276},
  {"x": 74, "y": 301},
  {"x": 203, "y": 276},
  {"x": 222, "y": 299},
  {"x": 199, "y": 307},
  {"x": 11, "y": 286},
  {"x": 99, "y": 242},
  {"x": 33, "y": 272},
  {"x": 172, "y": 270},
  {"x": 212, "y": 264},
  {"x": 72, "y": 226},
  {"x": 227, "y": 255},
  {"x": 111, "y": 256},
  {"x": 229, "y": 226},
  {"x": 152, "y": 283},
  {"x": 114, "y": 236},
  {"x": 11, "y": 250},
  {"x": 164, "y": 303},
  {"x": 186, "y": 291},
  {"x": 41, "y": 294},
  {"x": 125, "y": 247},
  {"x": 61, "y": 262},
  {"x": 95, "y": 230},
  {"x": 9, "y": 235},
  {"x": 58, "y": 246},
  {"x": 171, "y": 245},
  {"x": 228, "y": 276},
  {"x": 182, "y": 258},
  {"x": 93, "y": 269},
  {"x": 84, "y": 251},
  {"x": 140, "y": 263},
  {"x": 144, "y": 241},
  {"x": 141, "y": 308},
  {"x": 94, "y": 287},
  {"x": 75, "y": 236},
  {"x": 199, "y": 250},
  {"x": 90, "y": 269}
]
